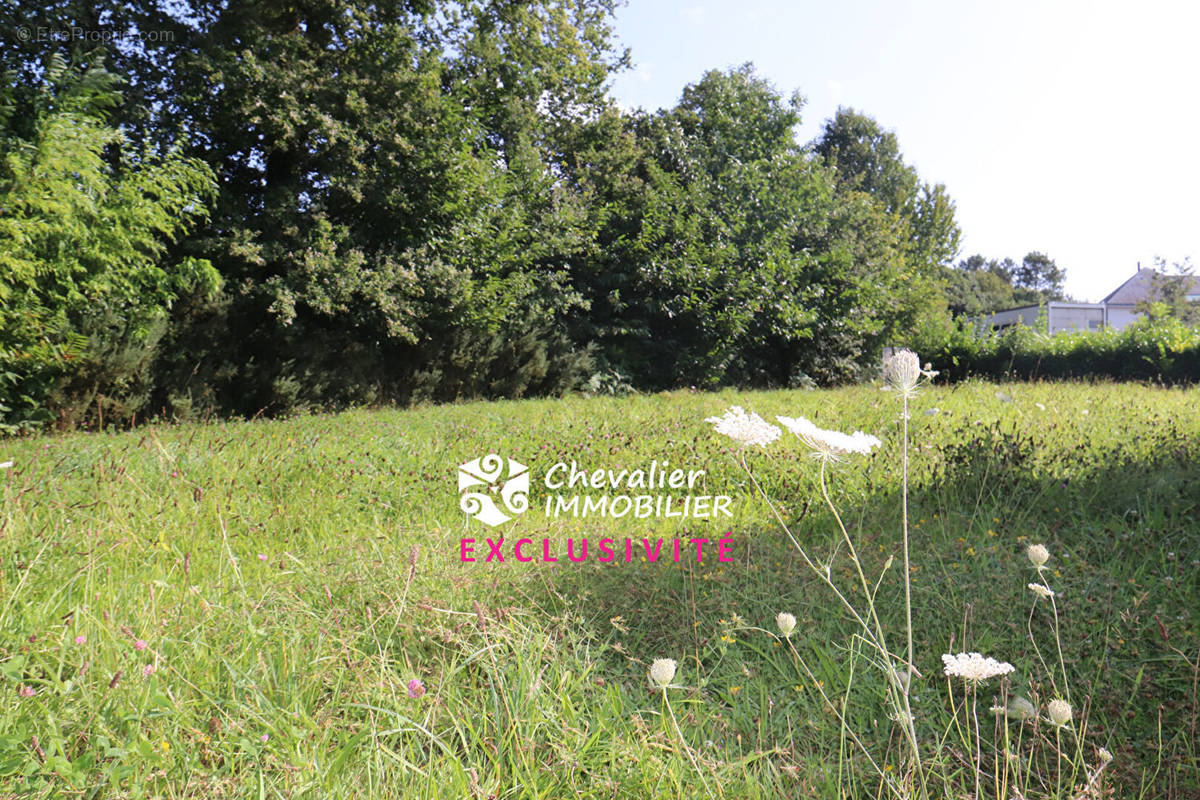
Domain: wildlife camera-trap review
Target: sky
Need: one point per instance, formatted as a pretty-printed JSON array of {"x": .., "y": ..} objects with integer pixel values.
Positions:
[{"x": 1071, "y": 128}]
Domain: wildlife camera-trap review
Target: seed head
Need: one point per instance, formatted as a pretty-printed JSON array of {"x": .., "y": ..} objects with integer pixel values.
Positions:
[
  {"x": 662, "y": 672},
  {"x": 1038, "y": 555},
  {"x": 1060, "y": 712}
]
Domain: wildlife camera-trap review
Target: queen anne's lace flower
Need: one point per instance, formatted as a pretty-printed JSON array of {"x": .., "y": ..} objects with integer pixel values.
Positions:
[
  {"x": 902, "y": 372},
  {"x": 1060, "y": 712},
  {"x": 829, "y": 444},
  {"x": 745, "y": 428},
  {"x": 974, "y": 667},
  {"x": 1038, "y": 555},
  {"x": 662, "y": 672},
  {"x": 1041, "y": 591}
]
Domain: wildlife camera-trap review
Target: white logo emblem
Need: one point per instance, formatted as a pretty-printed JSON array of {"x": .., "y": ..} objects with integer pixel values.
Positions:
[{"x": 484, "y": 478}]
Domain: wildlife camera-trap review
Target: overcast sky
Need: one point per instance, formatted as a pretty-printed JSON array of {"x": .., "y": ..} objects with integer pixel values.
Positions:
[{"x": 1067, "y": 127}]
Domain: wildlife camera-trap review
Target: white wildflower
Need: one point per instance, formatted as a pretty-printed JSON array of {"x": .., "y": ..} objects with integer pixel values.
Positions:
[
  {"x": 6, "y": 465},
  {"x": 829, "y": 444},
  {"x": 1041, "y": 591},
  {"x": 745, "y": 428},
  {"x": 974, "y": 667},
  {"x": 786, "y": 623},
  {"x": 1105, "y": 756},
  {"x": 1038, "y": 555},
  {"x": 1060, "y": 712},
  {"x": 902, "y": 371},
  {"x": 662, "y": 672}
]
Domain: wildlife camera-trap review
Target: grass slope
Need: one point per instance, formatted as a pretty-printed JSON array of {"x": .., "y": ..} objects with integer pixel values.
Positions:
[{"x": 237, "y": 609}]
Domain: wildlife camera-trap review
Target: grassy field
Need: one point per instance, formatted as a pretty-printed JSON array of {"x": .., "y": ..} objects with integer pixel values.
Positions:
[{"x": 238, "y": 609}]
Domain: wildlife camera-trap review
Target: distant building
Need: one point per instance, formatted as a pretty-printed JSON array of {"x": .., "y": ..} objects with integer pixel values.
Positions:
[
  {"x": 1114, "y": 311},
  {"x": 1119, "y": 305}
]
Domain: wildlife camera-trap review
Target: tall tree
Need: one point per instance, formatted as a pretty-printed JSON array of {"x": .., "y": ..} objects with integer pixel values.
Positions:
[
  {"x": 867, "y": 158},
  {"x": 1038, "y": 273},
  {"x": 730, "y": 256},
  {"x": 394, "y": 219},
  {"x": 84, "y": 276}
]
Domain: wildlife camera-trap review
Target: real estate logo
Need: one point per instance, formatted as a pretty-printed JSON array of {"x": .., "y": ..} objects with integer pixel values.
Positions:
[
  {"x": 495, "y": 489},
  {"x": 484, "y": 480}
]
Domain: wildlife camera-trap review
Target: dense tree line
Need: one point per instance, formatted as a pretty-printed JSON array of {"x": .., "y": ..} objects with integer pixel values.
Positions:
[
  {"x": 271, "y": 205},
  {"x": 978, "y": 285}
]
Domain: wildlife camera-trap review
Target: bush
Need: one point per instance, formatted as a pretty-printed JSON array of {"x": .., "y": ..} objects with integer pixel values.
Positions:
[{"x": 1164, "y": 351}]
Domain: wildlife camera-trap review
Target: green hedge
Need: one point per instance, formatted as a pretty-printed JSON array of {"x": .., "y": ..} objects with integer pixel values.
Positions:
[{"x": 1165, "y": 351}]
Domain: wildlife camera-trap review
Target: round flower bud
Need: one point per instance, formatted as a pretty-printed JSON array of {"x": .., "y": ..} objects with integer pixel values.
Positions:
[
  {"x": 1038, "y": 555},
  {"x": 902, "y": 371},
  {"x": 662, "y": 672},
  {"x": 786, "y": 623},
  {"x": 1020, "y": 708},
  {"x": 1060, "y": 712}
]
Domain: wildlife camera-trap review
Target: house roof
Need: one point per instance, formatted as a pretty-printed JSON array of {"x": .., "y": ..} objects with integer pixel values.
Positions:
[{"x": 1139, "y": 287}]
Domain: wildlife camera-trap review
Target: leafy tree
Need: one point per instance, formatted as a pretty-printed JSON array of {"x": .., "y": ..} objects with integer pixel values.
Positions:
[
  {"x": 867, "y": 159},
  {"x": 83, "y": 237},
  {"x": 1037, "y": 273},
  {"x": 982, "y": 286},
  {"x": 394, "y": 218},
  {"x": 977, "y": 291},
  {"x": 1172, "y": 287},
  {"x": 730, "y": 256}
]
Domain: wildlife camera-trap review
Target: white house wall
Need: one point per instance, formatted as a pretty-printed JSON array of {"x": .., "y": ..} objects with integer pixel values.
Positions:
[
  {"x": 1075, "y": 318},
  {"x": 1120, "y": 317}
]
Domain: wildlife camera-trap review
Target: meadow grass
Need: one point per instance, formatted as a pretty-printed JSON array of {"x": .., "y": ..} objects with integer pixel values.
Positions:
[{"x": 290, "y": 578}]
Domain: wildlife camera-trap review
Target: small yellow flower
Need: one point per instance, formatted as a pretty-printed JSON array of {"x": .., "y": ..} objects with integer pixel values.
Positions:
[
  {"x": 165, "y": 745},
  {"x": 734, "y": 689}
]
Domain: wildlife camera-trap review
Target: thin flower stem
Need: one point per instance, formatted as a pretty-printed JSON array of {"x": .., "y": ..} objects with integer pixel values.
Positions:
[
  {"x": 908, "y": 630},
  {"x": 820, "y": 573},
  {"x": 975, "y": 722},
  {"x": 686, "y": 748},
  {"x": 894, "y": 684},
  {"x": 1037, "y": 650},
  {"x": 904, "y": 520},
  {"x": 808, "y": 673},
  {"x": 1058, "y": 644},
  {"x": 866, "y": 586},
  {"x": 1058, "y": 762}
]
